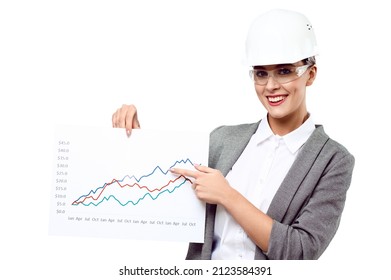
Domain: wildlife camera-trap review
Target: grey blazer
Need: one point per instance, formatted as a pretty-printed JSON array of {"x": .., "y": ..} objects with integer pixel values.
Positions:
[{"x": 308, "y": 205}]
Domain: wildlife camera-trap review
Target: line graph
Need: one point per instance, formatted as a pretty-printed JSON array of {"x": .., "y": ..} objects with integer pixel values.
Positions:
[
  {"x": 108, "y": 185},
  {"x": 99, "y": 198}
]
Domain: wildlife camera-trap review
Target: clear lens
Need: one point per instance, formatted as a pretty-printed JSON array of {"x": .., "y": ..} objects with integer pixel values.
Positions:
[{"x": 281, "y": 75}]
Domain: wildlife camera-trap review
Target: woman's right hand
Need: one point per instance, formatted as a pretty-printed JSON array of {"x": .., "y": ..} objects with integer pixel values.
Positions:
[{"x": 126, "y": 117}]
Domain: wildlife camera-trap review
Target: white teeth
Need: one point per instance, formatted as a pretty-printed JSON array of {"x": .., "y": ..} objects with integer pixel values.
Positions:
[{"x": 276, "y": 98}]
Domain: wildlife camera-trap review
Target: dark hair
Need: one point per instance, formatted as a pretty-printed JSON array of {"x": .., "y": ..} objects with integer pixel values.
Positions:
[{"x": 310, "y": 60}]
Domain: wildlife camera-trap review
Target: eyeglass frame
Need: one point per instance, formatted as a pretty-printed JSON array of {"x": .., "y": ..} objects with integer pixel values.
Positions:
[{"x": 300, "y": 70}]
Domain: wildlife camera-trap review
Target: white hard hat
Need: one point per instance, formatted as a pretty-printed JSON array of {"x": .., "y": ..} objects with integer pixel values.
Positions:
[{"x": 278, "y": 37}]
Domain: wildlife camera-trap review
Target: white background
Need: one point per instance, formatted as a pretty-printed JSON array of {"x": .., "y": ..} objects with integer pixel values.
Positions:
[{"x": 76, "y": 62}]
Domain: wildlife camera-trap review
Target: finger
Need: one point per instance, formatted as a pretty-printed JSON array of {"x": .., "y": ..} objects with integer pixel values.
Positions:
[
  {"x": 194, "y": 186},
  {"x": 203, "y": 168},
  {"x": 136, "y": 123},
  {"x": 131, "y": 120},
  {"x": 184, "y": 172},
  {"x": 114, "y": 118},
  {"x": 128, "y": 123},
  {"x": 122, "y": 115}
]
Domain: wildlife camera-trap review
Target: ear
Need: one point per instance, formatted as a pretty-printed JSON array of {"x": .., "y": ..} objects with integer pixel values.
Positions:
[{"x": 312, "y": 75}]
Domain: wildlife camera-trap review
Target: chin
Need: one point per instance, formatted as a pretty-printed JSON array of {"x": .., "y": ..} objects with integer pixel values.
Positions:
[{"x": 277, "y": 115}]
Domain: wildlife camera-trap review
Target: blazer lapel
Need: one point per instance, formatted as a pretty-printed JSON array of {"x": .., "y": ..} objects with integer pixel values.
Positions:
[
  {"x": 232, "y": 150},
  {"x": 299, "y": 170},
  {"x": 231, "y": 153}
]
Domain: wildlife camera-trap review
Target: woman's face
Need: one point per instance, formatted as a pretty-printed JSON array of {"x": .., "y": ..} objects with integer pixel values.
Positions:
[{"x": 285, "y": 101}]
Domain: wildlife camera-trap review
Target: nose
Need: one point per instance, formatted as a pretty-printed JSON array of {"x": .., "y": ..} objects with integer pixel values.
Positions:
[{"x": 272, "y": 84}]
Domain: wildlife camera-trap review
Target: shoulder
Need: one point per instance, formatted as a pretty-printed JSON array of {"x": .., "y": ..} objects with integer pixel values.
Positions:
[
  {"x": 228, "y": 142},
  {"x": 330, "y": 142},
  {"x": 330, "y": 149},
  {"x": 227, "y": 132}
]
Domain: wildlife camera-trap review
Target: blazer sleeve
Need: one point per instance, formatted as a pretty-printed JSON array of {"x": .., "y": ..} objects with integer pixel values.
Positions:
[{"x": 314, "y": 214}]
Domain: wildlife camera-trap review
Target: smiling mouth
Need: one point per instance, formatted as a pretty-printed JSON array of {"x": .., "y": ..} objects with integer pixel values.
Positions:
[{"x": 276, "y": 99}]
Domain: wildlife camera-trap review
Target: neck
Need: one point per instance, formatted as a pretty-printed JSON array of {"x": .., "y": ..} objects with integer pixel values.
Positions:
[{"x": 283, "y": 126}]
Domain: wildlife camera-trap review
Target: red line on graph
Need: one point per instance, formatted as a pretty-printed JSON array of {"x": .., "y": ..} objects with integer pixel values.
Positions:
[{"x": 131, "y": 186}]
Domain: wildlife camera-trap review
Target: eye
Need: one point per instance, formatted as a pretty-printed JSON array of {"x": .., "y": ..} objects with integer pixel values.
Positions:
[
  {"x": 284, "y": 71},
  {"x": 261, "y": 73}
]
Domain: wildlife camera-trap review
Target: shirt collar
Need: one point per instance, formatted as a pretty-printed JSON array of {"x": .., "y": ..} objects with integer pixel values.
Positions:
[
  {"x": 263, "y": 132},
  {"x": 293, "y": 140}
]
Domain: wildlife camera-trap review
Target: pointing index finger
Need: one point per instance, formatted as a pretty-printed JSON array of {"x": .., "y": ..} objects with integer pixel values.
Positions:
[{"x": 184, "y": 172}]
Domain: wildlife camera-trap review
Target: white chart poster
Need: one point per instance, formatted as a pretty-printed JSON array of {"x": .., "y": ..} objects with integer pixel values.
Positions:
[{"x": 106, "y": 184}]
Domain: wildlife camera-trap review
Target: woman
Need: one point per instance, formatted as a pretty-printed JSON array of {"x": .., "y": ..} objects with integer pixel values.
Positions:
[{"x": 274, "y": 189}]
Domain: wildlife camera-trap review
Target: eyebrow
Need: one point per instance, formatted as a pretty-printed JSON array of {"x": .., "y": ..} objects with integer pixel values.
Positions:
[{"x": 276, "y": 66}]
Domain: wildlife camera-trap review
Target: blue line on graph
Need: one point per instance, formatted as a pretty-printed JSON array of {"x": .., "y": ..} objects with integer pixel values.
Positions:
[
  {"x": 135, "y": 203},
  {"x": 139, "y": 179}
]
